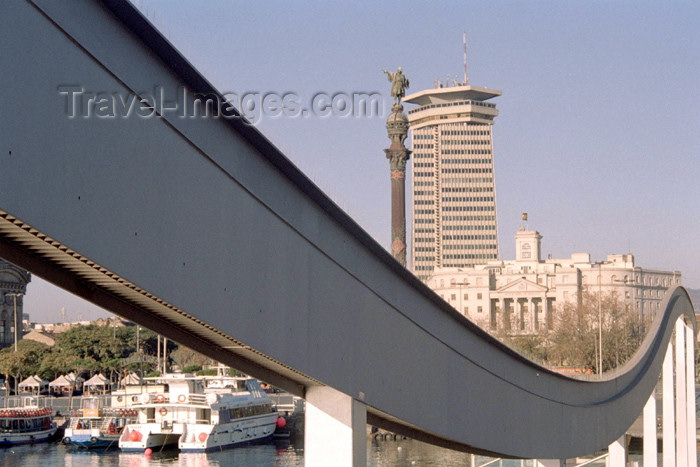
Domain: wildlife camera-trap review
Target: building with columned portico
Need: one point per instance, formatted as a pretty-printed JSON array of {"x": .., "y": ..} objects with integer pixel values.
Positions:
[{"x": 521, "y": 296}]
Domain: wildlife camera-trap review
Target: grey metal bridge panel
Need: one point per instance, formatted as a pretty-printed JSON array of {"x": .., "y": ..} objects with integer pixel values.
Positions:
[{"x": 206, "y": 215}]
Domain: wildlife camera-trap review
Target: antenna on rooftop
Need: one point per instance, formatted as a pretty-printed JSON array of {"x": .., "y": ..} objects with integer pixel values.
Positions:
[{"x": 464, "y": 43}]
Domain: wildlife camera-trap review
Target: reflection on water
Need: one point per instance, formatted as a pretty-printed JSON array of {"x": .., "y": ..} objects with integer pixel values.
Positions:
[{"x": 49, "y": 455}]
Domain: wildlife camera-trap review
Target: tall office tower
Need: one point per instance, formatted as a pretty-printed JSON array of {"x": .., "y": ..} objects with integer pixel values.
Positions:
[{"x": 454, "y": 198}]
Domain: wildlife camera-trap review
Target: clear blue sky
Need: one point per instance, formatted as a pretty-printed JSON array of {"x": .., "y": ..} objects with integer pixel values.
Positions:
[{"x": 598, "y": 136}]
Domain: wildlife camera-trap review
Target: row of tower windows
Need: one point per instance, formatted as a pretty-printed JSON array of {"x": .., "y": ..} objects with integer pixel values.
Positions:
[
  {"x": 469, "y": 227},
  {"x": 423, "y": 164},
  {"x": 466, "y": 171},
  {"x": 424, "y": 230},
  {"x": 449, "y": 199},
  {"x": 467, "y": 180},
  {"x": 422, "y": 174},
  {"x": 469, "y": 247},
  {"x": 465, "y": 151},
  {"x": 460, "y": 237},
  {"x": 467, "y": 141},
  {"x": 427, "y": 249},
  {"x": 424, "y": 221},
  {"x": 424, "y": 183},
  {"x": 469, "y": 256},
  {"x": 469, "y": 237},
  {"x": 467, "y": 189},
  {"x": 423, "y": 201},
  {"x": 466, "y": 161},
  {"x": 465, "y": 133},
  {"x": 424, "y": 211},
  {"x": 424, "y": 136},
  {"x": 467, "y": 208},
  {"x": 469, "y": 218},
  {"x": 423, "y": 146},
  {"x": 425, "y": 258},
  {"x": 423, "y": 192},
  {"x": 423, "y": 239}
]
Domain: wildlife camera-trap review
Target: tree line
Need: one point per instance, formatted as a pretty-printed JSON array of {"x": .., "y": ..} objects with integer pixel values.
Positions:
[
  {"x": 574, "y": 340},
  {"x": 92, "y": 349}
]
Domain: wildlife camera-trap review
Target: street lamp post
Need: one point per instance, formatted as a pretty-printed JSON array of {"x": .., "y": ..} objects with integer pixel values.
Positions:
[
  {"x": 14, "y": 295},
  {"x": 600, "y": 315},
  {"x": 600, "y": 323}
]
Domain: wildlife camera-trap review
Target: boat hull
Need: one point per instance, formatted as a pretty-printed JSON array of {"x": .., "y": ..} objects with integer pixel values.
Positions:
[
  {"x": 205, "y": 437},
  {"x": 149, "y": 437},
  {"x": 16, "y": 439},
  {"x": 92, "y": 442}
]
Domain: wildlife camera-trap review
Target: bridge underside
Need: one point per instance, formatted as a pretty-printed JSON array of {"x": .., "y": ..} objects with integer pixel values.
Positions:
[{"x": 200, "y": 229}]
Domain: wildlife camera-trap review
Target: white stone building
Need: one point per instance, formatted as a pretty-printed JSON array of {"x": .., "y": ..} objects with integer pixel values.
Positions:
[{"x": 521, "y": 296}]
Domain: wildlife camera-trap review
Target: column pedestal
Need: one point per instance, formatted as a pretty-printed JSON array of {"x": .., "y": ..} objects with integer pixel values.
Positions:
[{"x": 335, "y": 431}]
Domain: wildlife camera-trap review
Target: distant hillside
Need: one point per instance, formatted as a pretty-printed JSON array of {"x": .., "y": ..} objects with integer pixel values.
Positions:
[{"x": 695, "y": 297}]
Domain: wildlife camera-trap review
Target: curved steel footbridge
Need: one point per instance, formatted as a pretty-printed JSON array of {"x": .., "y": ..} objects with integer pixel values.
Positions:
[{"x": 202, "y": 230}]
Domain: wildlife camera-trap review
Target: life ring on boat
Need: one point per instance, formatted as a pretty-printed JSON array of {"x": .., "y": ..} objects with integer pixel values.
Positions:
[
  {"x": 181, "y": 398},
  {"x": 93, "y": 440},
  {"x": 66, "y": 441},
  {"x": 163, "y": 411},
  {"x": 160, "y": 398}
]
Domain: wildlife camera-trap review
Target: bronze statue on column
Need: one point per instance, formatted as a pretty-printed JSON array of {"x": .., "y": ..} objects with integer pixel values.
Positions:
[{"x": 397, "y": 130}]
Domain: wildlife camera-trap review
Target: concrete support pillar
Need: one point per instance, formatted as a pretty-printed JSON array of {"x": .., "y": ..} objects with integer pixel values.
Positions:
[
  {"x": 335, "y": 431},
  {"x": 681, "y": 399},
  {"x": 690, "y": 395},
  {"x": 668, "y": 411},
  {"x": 617, "y": 452},
  {"x": 649, "y": 433}
]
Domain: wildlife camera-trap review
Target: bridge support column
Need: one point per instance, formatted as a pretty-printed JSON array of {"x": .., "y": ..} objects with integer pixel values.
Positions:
[
  {"x": 681, "y": 399},
  {"x": 335, "y": 429},
  {"x": 649, "y": 437},
  {"x": 668, "y": 411},
  {"x": 617, "y": 452},
  {"x": 690, "y": 394}
]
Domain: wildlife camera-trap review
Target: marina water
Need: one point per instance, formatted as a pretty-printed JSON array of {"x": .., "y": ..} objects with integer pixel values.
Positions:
[{"x": 379, "y": 454}]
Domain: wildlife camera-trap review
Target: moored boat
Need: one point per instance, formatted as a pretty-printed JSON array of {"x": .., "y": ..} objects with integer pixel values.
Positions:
[
  {"x": 28, "y": 424},
  {"x": 234, "y": 418},
  {"x": 96, "y": 426},
  {"x": 195, "y": 419}
]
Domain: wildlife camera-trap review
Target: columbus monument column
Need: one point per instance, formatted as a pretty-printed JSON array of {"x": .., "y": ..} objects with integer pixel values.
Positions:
[{"x": 397, "y": 130}]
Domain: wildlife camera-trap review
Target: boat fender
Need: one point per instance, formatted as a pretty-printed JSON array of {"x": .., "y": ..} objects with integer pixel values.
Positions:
[
  {"x": 66, "y": 441},
  {"x": 93, "y": 439}
]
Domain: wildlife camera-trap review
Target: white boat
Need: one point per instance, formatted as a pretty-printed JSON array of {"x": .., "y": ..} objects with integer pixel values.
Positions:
[
  {"x": 28, "y": 424},
  {"x": 197, "y": 419},
  {"x": 96, "y": 425}
]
